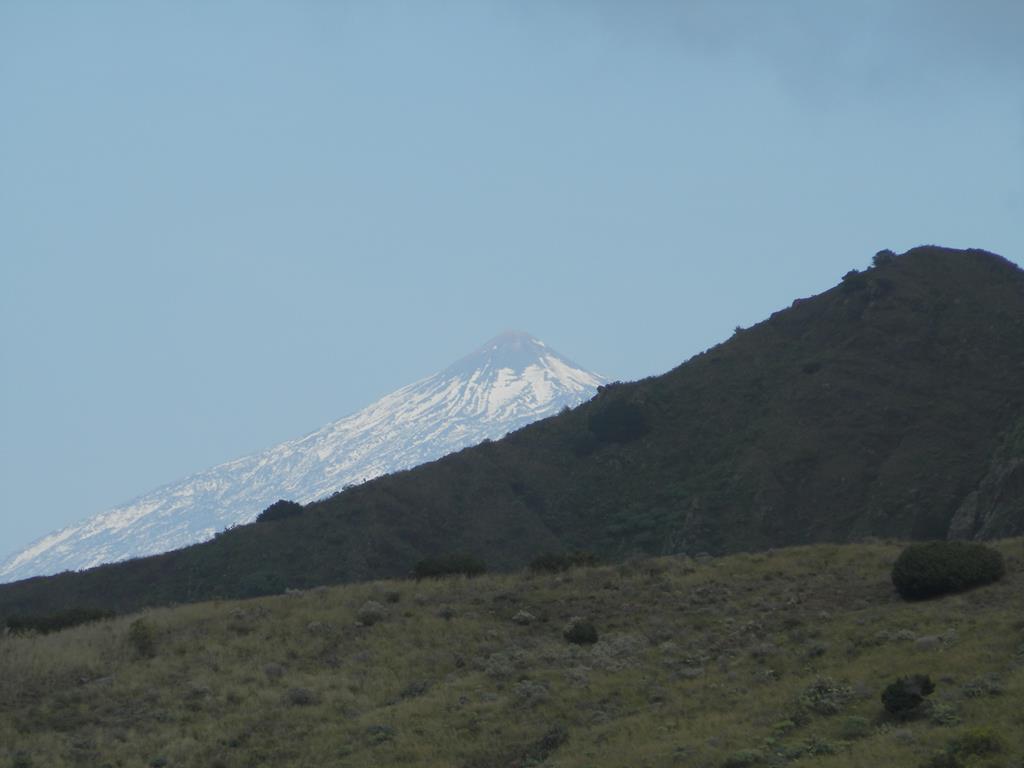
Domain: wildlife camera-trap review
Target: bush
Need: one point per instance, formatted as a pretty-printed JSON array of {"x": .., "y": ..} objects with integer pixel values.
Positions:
[
  {"x": 580, "y": 632},
  {"x": 371, "y": 613},
  {"x": 855, "y": 727},
  {"x": 280, "y": 510},
  {"x": 975, "y": 741},
  {"x": 940, "y": 567},
  {"x": 744, "y": 758},
  {"x": 618, "y": 422},
  {"x": 550, "y": 562},
  {"x": 903, "y": 697},
  {"x": 826, "y": 696},
  {"x": 260, "y": 584},
  {"x": 142, "y": 639},
  {"x": 883, "y": 257},
  {"x": 449, "y": 565},
  {"x": 55, "y": 622}
]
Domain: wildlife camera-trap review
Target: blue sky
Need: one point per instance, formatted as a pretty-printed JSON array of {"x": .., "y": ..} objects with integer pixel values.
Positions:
[{"x": 225, "y": 224}]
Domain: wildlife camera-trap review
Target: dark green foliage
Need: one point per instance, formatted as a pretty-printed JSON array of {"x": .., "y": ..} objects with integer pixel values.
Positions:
[
  {"x": 529, "y": 754},
  {"x": 940, "y": 567},
  {"x": 280, "y": 510},
  {"x": 855, "y": 727},
  {"x": 974, "y": 742},
  {"x": 903, "y": 698},
  {"x": 883, "y": 258},
  {"x": 619, "y": 421},
  {"x": 55, "y": 622},
  {"x": 744, "y": 758},
  {"x": 919, "y": 382},
  {"x": 826, "y": 696},
  {"x": 142, "y": 639},
  {"x": 580, "y": 633},
  {"x": 260, "y": 584},
  {"x": 449, "y": 565},
  {"x": 551, "y": 562}
]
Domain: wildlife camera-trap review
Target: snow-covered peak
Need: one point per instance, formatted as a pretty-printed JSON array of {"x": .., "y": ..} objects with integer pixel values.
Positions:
[{"x": 510, "y": 381}]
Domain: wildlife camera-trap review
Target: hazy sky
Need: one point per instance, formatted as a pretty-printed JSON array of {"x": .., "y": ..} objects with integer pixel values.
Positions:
[{"x": 225, "y": 224}]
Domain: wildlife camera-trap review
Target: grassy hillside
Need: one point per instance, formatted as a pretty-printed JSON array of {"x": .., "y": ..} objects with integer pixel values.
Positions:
[
  {"x": 769, "y": 659},
  {"x": 891, "y": 405}
]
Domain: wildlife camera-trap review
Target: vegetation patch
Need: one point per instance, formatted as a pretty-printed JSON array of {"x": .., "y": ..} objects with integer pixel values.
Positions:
[
  {"x": 903, "y": 698},
  {"x": 941, "y": 567},
  {"x": 699, "y": 663},
  {"x": 551, "y": 562},
  {"x": 449, "y": 565},
  {"x": 280, "y": 510},
  {"x": 55, "y": 622}
]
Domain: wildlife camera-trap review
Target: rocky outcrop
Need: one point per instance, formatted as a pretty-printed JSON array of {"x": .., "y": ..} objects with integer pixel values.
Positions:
[{"x": 996, "y": 508}]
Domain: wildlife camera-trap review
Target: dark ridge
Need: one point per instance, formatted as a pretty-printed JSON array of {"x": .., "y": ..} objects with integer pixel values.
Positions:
[{"x": 890, "y": 405}]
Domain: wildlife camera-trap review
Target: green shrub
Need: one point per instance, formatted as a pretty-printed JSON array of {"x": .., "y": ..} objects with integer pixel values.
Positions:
[
  {"x": 940, "y": 567},
  {"x": 855, "y": 727},
  {"x": 142, "y": 639},
  {"x": 55, "y": 622},
  {"x": 975, "y": 741},
  {"x": 449, "y": 565},
  {"x": 260, "y": 584},
  {"x": 744, "y": 758},
  {"x": 942, "y": 760},
  {"x": 580, "y": 632},
  {"x": 550, "y": 562},
  {"x": 903, "y": 697},
  {"x": 280, "y": 510},
  {"x": 825, "y": 696},
  {"x": 883, "y": 258},
  {"x": 942, "y": 713}
]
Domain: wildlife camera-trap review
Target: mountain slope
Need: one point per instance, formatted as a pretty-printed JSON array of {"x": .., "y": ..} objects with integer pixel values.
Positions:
[
  {"x": 876, "y": 408},
  {"x": 510, "y": 381}
]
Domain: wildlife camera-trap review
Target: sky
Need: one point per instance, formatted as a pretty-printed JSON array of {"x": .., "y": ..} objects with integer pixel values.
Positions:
[{"x": 225, "y": 224}]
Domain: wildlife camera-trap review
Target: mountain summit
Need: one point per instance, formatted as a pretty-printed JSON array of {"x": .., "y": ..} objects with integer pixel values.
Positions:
[{"x": 509, "y": 382}]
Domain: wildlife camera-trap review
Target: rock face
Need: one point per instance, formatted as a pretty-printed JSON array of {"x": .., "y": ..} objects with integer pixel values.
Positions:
[
  {"x": 509, "y": 382},
  {"x": 996, "y": 508}
]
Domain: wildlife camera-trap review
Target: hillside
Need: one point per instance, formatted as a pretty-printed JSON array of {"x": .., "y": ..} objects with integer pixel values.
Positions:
[
  {"x": 770, "y": 659},
  {"x": 891, "y": 405},
  {"x": 509, "y": 382}
]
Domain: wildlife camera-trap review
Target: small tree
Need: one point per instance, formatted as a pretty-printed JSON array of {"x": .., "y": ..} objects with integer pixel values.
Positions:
[
  {"x": 903, "y": 697},
  {"x": 280, "y": 510}
]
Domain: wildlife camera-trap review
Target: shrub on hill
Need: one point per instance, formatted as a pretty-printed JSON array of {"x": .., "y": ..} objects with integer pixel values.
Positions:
[
  {"x": 280, "y": 510},
  {"x": 940, "y": 567},
  {"x": 449, "y": 565},
  {"x": 55, "y": 622},
  {"x": 580, "y": 632},
  {"x": 142, "y": 639},
  {"x": 260, "y": 584},
  {"x": 551, "y": 562},
  {"x": 903, "y": 698}
]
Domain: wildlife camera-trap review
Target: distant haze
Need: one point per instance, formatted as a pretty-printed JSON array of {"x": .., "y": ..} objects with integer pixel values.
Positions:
[{"x": 225, "y": 224}]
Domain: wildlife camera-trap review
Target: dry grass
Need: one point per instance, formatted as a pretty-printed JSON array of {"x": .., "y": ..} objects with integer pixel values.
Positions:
[{"x": 699, "y": 664}]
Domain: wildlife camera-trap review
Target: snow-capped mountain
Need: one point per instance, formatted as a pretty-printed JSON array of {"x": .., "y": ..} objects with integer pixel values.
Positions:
[{"x": 512, "y": 380}]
